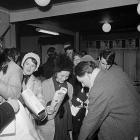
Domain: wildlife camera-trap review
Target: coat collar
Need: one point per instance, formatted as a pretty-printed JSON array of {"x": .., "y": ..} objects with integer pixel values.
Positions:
[{"x": 93, "y": 76}]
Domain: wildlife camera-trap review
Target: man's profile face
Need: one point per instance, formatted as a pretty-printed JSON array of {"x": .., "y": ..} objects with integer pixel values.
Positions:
[
  {"x": 85, "y": 80},
  {"x": 103, "y": 64},
  {"x": 69, "y": 53}
]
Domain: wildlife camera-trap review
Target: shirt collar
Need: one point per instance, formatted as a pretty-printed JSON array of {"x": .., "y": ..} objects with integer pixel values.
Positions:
[{"x": 93, "y": 76}]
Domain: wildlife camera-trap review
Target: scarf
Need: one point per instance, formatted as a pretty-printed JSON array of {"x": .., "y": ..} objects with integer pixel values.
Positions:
[
  {"x": 57, "y": 86},
  {"x": 25, "y": 78}
]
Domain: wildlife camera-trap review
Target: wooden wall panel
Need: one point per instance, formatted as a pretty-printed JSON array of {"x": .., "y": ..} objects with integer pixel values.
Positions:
[{"x": 130, "y": 63}]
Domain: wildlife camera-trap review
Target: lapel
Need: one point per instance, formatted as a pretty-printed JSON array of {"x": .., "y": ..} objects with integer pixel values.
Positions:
[{"x": 30, "y": 82}]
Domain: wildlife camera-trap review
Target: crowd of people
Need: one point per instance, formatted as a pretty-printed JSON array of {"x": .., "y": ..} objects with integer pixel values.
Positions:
[{"x": 83, "y": 98}]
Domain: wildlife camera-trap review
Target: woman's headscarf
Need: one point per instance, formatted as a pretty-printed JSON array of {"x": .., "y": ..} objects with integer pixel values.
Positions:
[{"x": 31, "y": 55}]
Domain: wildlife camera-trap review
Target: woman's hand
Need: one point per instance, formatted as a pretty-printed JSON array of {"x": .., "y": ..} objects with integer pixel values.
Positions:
[{"x": 50, "y": 110}]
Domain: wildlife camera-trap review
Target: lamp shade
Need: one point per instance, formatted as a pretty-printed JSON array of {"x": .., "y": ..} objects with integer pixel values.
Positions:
[
  {"x": 42, "y": 2},
  {"x": 106, "y": 27},
  {"x": 138, "y": 8}
]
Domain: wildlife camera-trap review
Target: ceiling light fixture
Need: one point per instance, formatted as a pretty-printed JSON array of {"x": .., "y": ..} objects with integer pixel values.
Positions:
[
  {"x": 42, "y": 2},
  {"x": 138, "y": 8},
  {"x": 46, "y": 31},
  {"x": 138, "y": 27},
  {"x": 106, "y": 27}
]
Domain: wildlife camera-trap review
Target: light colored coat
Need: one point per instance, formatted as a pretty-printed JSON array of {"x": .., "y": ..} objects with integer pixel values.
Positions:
[
  {"x": 10, "y": 83},
  {"x": 34, "y": 85}
]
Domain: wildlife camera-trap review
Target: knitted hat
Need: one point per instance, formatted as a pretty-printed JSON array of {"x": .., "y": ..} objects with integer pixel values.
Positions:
[
  {"x": 63, "y": 63},
  {"x": 87, "y": 58},
  {"x": 68, "y": 46},
  {"x": 31, "y": 55}
]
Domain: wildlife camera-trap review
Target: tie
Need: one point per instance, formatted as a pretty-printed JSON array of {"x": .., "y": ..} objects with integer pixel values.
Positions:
[{"x": 26, "y": 78}]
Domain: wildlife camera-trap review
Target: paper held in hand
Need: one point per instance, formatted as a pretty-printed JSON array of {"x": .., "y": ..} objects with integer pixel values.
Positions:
[
  {"x": 58, "y": 97},
  {"x": 32, "y": 102}
]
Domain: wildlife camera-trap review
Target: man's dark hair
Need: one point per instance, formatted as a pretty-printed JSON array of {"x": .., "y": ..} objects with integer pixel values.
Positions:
[{"x": 85, "y": 67}]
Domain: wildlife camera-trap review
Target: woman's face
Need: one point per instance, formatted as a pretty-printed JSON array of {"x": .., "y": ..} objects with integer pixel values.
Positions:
[
  {"x": 69, "y": 53},
  {"x": 62, "y": 76},
  {"x": 29, "y": 67}
]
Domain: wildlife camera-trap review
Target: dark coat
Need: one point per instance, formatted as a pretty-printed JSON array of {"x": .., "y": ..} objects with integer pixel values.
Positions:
[
  {"x": 113, "y": 110},
  {"x": 48, "y": 130},
  {"x": 6, "y": 115}
]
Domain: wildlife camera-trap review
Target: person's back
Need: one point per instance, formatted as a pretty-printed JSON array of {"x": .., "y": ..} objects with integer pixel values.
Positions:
[
  {"x": 121, "y": 120},
  {"x": 112, "y": 109},
  {"x": 119, "y": 73}
]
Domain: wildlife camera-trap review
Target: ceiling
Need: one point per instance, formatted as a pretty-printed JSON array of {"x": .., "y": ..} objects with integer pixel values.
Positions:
[
  {"x": 24, "y": 4},
  {"x": 122, "y": 19}
]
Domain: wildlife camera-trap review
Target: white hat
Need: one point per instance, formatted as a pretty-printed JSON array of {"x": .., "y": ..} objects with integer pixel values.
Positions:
[
  {"x": 31, "y": 55},
  {"x": 68, "y": 46}
]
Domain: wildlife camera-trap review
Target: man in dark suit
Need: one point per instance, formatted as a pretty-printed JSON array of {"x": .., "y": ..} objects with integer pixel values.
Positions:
[
  {"x": 7, "y": 112},
  {"x": 113, "y": 109}
]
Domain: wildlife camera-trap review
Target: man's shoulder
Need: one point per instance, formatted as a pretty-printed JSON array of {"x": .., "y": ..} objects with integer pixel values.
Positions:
[
  {"x": 103, "y": 76},
  {"x": 106, "y": 80}
]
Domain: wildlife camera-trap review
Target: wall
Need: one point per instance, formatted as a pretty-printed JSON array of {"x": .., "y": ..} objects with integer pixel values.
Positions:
[
  {"x": 29, "y": 44},
  {"x": 58, "y": 47},
  {"x": 4, "y": 28},
  {"x": 4, "y": 22},
  {"x": 128, "y": 58},
  {"x": 10, "y": 37}
]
